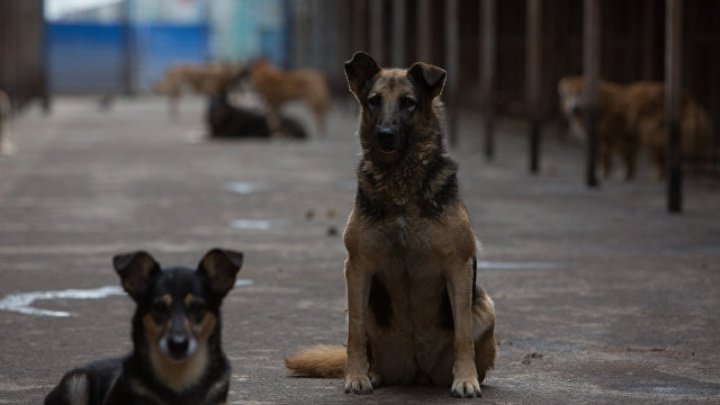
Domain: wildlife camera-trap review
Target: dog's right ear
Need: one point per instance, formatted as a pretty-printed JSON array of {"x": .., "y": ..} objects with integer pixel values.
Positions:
[
  {"x": 135, "y": 270},
  {"x": 359, "y": 71}
]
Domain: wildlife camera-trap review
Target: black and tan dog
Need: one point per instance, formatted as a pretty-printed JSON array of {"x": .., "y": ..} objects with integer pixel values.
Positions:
[
  {"x": 177, "y": 356},
  {"x": 225, "y": 120},
  {"x": 414, "y": 313}
]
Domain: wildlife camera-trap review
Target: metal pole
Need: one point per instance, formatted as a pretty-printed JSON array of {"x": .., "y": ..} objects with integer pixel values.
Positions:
[
  {"x": 424, "y": 29},
  {"x": 359, "y": 22},
  {"x": 532, "y": 77},
  {"x": 591, "y": 71},
  {"x": 375, "y": 25},
  {"x": 649, "y": 39},
  {"x": 673, "y": 101},
  {"x": 398, "y": 33},
  {"x": 488, "y": 72},
  {"x": 129, "y": 50},
  {"x": 452, "y": 62}
]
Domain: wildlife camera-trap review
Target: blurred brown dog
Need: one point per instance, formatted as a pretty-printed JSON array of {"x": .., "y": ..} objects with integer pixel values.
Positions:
[
  {"x": 209, "y": 79},
  {"x": 614, "y": 137},
  {"x": 278, "y": 87},
  {"x": 645, "y": 111},
  {"x": 633, "y": 116}
]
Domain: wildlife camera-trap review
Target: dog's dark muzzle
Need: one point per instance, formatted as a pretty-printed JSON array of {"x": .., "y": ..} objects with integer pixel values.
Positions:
[{"x": 389, "y": 139}]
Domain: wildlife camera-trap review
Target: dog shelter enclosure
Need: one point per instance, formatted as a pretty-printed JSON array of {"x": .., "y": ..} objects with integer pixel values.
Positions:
[{"x": 506, "y": 57}]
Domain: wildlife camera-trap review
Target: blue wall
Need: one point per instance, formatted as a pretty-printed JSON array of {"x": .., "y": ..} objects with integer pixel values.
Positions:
[
  {"x": 162, "y": 45},
  {"x": 85, "y": 58},
  {"x": 88, "y": 57}
]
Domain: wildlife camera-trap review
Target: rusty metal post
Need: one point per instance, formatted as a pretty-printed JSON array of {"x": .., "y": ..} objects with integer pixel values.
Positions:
[
  {"x": 129, "y": 49},
  {"x": 398, "y": 33},
  {"x": 376, "y": 26},
  {"x": 648, "y": 39},
  {"x": 532, "y": 79},
  {"x": 452, "y": 63},
  {"x": 488, "y": 66},
  {"x": 424, "y": 31},
  {"x": 673, "y": 101},
  {"x": 591, "y": 71}
]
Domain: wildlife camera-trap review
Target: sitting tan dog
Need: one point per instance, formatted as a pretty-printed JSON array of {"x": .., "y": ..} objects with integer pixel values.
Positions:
[
  {"x": 278, "y": 87},
  {"x": 209, "y": 79},
  {"x": 415, "y": 312},
  {"x": 631, "y": 117}
]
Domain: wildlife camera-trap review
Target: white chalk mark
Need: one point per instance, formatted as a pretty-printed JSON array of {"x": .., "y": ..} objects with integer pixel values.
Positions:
[
  {"x": 252, "y": 224},
  {"x": 244, "y": 187},
  {"x": 244, "y": 282},
  {"x": 22, "y": 302},
  {"x": 517, "y": 265}
]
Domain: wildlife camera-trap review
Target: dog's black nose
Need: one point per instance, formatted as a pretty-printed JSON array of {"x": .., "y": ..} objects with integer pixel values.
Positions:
[
  {"x": 178, "y": 345},
  {"x": 387, "y": 139}
]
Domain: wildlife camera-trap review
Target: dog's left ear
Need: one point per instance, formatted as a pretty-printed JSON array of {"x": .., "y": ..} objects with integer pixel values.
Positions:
[
  {"x": 221, "y": 266},
  {"x": 429, "y": 77}
]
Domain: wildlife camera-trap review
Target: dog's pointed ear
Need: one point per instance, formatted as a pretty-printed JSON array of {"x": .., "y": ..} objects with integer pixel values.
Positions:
[
  {"x": 359, "y": 71},
  {"x": 135, "y": 270},
  {"x": 429, "y": 77},
  {"x": 221, "y": 266}
]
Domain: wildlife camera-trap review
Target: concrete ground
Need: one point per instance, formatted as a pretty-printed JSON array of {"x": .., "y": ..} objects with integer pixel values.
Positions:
[{"x": 601, "y": 296}]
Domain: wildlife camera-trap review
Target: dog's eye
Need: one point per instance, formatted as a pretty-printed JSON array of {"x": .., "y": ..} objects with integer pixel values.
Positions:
[
  {"x": 407, "y": 104},
  {"x": 375, "y": 101},
  {"x": 159, "y": 308},
  {"x": 196, "y": 310}
]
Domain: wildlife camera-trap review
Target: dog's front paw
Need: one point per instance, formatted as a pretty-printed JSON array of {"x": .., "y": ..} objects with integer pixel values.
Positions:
[
  {"x": 359, "y": 384},
  {"x": 466, "y": 388}
]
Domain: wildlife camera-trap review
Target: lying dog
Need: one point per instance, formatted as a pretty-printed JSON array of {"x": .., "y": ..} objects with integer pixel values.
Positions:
[
  {"x": 208, "y": 79},
  {"x": 227, "y": 121},
  {"x": 414, "y": 313},
  {"x": 278, "y": 87},
  {"x": 614, "y": 136},
  {"x": 632, "y": 117},
  {"x": 177, "y": 357}
]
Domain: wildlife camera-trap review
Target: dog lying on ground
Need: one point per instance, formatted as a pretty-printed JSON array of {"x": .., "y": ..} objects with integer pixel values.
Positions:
[
  {"x": 227, "y": 121},
  {"x": 415, "y": 315},
  {"x": 177, "y": 357},
  {"x": 208, "y": 79},
  {"x": 632, "y": 117},
  {"x": 278, "y": 87}
]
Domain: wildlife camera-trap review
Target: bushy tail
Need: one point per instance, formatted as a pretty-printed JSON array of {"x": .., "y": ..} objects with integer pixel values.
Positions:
[{"x": 322, "y": 361}]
